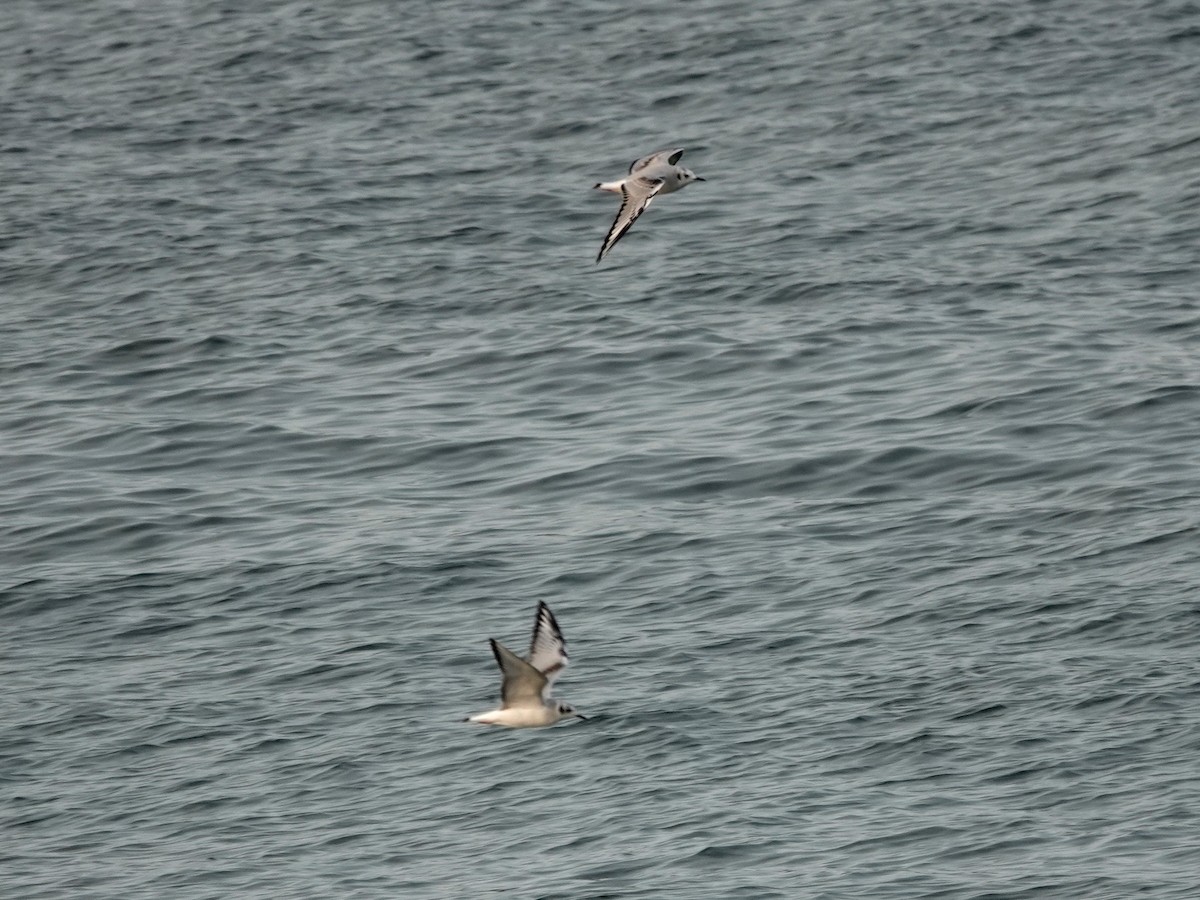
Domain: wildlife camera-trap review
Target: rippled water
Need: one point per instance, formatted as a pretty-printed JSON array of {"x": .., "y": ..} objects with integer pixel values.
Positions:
[{"x": 863, "y": 477}]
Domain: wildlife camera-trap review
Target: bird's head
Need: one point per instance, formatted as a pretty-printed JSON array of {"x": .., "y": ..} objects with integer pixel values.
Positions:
[{"x": 566, "y": 710}]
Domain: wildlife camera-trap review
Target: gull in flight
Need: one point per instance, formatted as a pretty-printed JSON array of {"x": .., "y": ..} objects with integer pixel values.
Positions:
[
  {"x": 525, "y": 690},
  {"x": 658, "y": 173}
]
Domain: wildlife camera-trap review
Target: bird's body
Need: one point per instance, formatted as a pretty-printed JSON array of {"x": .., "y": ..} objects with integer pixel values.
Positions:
[
  {"x": 518, "y": 717},
  {"x": 650, "y": 176},
  {"x": 525, "y": 689}
]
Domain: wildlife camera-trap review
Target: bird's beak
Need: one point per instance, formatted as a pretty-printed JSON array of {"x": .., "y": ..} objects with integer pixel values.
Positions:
[
  {"x": 581, "y": 716},
  {"x": 698, "y": 178}
]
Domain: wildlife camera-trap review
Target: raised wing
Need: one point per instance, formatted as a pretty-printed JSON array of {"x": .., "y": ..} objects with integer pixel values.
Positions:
[
  {"x": 522, "y": 684},
  {"x": 636, "y": 194},
  {"x": 671, "y": 157},
  {"x": 547, "y": 649}
]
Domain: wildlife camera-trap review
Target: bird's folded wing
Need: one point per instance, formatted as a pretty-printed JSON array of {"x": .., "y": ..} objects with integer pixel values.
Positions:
[
  {"x": 670, "y": 156},
  {"x": 522, "y": 684}
]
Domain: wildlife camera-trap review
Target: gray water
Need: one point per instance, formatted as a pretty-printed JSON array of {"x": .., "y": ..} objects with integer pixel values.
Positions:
[{"x": 863, "y": 477}]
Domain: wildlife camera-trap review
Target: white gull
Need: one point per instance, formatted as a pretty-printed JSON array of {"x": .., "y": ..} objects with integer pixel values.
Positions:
[
  {"x": 658, "y": 173},
  {"x": 525, "y": 690}
]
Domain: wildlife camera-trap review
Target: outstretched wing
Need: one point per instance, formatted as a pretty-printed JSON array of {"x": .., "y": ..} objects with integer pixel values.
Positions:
[
  {"x": 636, "y": 194},
  {"x": 670, "y": 156},
  {"x": 547, "y": 649},
  {"x": 522, "y": 684}
]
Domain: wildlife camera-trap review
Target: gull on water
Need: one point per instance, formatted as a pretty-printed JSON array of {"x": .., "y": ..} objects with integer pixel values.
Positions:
[
  {"x": 525, "y": 689},
  {"x": 658, "y": 173}
]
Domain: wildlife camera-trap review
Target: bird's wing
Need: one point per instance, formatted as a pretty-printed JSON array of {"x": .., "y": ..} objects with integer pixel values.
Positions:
[
  {"x": 671, "y": 156},
  {"x": 547, "y": 649},
  {"x": 522, "y": 684},
  {"x": 636, "y": 194}
]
